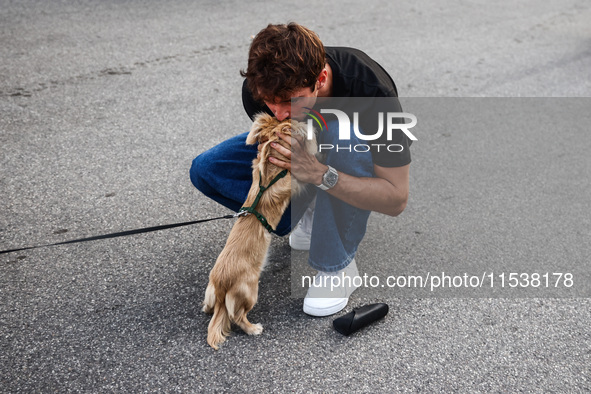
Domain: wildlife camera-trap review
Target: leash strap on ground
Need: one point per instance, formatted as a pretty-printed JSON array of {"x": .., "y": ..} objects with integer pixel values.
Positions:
[{"x": 121, "y": 234}]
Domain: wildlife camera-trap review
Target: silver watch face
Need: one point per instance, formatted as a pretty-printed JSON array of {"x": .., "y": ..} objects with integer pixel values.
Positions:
[{"x": 330, "y": 178}]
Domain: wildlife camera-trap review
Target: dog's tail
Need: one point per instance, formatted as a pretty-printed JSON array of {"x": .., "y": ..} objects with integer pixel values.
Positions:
[{"x": 219, "y": 326}]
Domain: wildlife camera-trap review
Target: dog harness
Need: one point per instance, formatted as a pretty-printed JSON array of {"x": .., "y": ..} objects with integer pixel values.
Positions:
[{"x": 252, "y": 209}]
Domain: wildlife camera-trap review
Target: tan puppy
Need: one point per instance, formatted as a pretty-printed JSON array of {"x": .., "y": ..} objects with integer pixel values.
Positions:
[{"x": 234, "y": 280}]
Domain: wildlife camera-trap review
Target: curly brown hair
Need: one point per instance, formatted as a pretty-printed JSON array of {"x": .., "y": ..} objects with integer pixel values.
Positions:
[{"x": 282, "y": 59}]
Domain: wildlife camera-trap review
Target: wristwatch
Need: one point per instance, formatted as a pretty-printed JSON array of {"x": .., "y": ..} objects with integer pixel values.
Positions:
[{"x": 329, "y": 179}]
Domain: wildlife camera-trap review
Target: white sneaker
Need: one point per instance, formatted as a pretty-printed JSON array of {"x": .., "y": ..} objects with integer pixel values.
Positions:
[
  {"x": 329, "y": 293},
  {"x": 299, "y": 239}
]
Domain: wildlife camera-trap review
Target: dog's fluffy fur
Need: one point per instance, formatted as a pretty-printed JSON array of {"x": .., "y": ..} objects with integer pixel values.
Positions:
[{"x": 234, "y": 280}]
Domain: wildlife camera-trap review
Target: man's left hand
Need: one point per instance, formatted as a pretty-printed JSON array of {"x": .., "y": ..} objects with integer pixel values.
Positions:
[{"x": 303, "y": 165}]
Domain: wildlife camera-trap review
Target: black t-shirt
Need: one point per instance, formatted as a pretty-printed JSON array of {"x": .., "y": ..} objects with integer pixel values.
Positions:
[{"x": 354, "y": 74}]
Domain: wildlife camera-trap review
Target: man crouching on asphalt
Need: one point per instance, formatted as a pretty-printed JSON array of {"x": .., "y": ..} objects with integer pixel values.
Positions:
[{"x": 290, "y": 62}]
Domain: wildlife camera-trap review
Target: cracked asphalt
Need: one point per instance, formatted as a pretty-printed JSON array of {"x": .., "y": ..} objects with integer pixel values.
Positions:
[{"x": 104, "y": 105}]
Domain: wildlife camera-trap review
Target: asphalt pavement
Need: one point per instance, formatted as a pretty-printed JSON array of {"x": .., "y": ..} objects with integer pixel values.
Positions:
[{"x": 104, "y": 105}]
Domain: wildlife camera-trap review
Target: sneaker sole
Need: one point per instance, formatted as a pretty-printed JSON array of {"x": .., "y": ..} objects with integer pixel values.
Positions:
[{"x": 322, "y": 312}]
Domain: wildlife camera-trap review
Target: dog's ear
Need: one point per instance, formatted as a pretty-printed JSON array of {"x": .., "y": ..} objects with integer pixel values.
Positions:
[{"x": 261, "y": 121}]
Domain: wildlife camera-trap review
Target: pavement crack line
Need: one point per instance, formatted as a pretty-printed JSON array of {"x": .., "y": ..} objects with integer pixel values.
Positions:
[{"x": 36, "y": 87}]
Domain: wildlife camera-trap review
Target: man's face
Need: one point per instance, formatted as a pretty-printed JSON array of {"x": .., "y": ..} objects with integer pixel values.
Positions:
[{"x": 293, "y": 108}]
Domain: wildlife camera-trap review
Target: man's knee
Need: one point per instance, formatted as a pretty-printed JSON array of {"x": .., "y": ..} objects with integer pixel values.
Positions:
[{"x": 199, "y": 170}]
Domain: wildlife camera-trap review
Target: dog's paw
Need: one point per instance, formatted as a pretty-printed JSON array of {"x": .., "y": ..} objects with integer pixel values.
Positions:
[
  {"x": 215, "y": 342},
  {"x": 207, "y": 309},
  {"x": 257, "y": 329},
  {"x": 209, "y": 300}
]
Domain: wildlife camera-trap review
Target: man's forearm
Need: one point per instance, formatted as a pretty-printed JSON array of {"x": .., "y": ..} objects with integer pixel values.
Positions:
[
  {"x": 386, "y": 193},
  {"x": 373, "y": 194}
]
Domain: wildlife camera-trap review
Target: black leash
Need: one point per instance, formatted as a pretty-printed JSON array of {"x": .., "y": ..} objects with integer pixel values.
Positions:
[{"x": 123, "y": 233}]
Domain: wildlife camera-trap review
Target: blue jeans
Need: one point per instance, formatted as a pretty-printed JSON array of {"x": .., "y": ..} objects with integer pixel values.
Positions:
[{"x": 224, "y": 174}]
